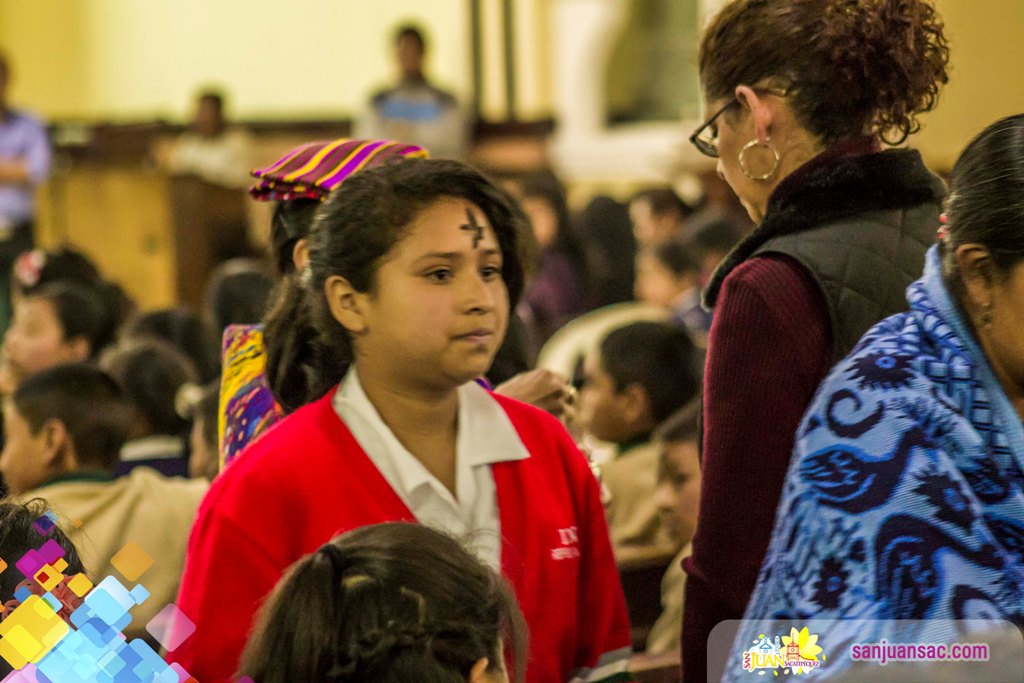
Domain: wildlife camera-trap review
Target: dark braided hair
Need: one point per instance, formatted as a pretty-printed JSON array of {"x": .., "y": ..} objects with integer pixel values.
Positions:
[{"x": 387, "y": 603}]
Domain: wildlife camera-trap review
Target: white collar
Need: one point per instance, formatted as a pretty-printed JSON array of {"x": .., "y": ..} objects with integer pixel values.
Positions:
[{"x": 485, "y": 433}]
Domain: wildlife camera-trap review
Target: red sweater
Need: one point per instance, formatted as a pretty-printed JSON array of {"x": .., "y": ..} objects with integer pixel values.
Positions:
[
  {"x": 308, "y": 480},
  {"x": 768, "y": 350}
]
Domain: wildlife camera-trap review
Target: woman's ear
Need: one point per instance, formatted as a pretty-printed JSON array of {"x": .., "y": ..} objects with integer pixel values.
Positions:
[
  {"x": 978, "y": 274},
  {"x": 344, "y": 302},
  {"x": 760, "y": 111}
]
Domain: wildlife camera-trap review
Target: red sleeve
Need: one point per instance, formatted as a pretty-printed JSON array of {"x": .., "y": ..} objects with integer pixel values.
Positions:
[
  {"x": 768, "y": 349},
  {"x": 228, "y": 573}
]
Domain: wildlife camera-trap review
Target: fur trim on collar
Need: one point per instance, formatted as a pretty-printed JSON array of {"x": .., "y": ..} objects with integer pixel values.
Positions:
[{"x": 847, "y": 187}]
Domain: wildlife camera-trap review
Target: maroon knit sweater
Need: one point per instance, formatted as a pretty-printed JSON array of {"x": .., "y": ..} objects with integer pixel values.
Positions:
[{"x": 769, "y": 348}]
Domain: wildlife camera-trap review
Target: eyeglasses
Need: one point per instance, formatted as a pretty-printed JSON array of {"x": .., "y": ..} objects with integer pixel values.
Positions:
[{"x": 705, "y": 138}]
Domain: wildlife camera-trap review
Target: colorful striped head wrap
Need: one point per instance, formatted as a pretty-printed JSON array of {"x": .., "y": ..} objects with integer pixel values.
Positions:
[{"x": 312, "y": 170}]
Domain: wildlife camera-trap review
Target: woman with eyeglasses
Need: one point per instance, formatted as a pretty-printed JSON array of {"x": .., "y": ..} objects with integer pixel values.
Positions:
[{"x": 803, "y": 97}]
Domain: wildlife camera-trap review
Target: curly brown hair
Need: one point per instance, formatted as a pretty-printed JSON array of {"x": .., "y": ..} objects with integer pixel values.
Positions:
[{"x": 850, "y": 67}]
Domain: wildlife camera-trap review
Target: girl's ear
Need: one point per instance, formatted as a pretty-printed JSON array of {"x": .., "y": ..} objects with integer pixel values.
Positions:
[
  {"x": 345, "y": 303},
  {"x": 978, "y": 273},
  {"x": 478, "y": 674},
  {"x": 300, "y": 254}
]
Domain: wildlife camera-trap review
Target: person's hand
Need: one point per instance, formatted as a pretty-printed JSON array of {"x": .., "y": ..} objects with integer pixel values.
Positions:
[{"x": 542, "y": 388}]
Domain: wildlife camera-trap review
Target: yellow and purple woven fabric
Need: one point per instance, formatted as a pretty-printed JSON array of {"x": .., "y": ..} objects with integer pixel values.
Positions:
[{"x": 312, "y": 170}]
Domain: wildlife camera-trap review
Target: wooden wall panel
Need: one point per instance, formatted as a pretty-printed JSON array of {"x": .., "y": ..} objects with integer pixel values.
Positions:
[{"x": 122, "y": 219}]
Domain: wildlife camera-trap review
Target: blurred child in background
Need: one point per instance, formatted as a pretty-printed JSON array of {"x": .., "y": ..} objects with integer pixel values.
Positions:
[
  {"x": 677, "y": 499},
  {"x": 64, "y": 430},
  {"x": 152, "y": 374},
  {"x": 642, "y": 374}
]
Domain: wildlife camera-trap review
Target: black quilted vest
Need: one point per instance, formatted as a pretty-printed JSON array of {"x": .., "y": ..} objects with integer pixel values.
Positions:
[{"x": 860, "y": 226}]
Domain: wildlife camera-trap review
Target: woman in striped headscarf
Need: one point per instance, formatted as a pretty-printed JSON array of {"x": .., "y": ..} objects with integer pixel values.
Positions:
[{"x": 299, "y": 181}]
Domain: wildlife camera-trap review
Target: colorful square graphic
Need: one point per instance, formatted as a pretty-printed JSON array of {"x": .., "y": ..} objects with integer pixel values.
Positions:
[
  {"x": 171, "y": 627},
  {"x": 44, "y": 525},
  {"x": 131, "y": 561},
  {"x": 80, "y": 585},
  {"x": 30, "y": 631}
]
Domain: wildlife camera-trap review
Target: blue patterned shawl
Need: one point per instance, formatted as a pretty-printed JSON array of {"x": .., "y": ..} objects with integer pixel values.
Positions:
[{"x": 904, "y": 496}]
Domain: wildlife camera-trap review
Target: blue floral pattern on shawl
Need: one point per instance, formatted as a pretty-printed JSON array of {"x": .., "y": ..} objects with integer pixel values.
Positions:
[{"x": 904, "y": 496}]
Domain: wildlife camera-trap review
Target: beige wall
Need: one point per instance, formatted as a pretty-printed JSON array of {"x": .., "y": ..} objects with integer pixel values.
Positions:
[
  {"x": 987, "y": 78},
  {"x": 131, "y": 59}
]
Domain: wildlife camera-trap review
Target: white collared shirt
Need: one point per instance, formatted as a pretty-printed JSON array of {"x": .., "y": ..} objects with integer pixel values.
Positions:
[{"x": 485, "y": 436}]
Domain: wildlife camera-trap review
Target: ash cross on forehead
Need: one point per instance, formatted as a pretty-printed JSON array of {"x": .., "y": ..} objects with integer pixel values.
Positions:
[{"x": 474, "y": 227}]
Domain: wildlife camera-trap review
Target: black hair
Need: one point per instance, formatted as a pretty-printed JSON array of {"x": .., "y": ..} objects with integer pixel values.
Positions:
[
  {"x": 89, "y": 404},
  {"x": 660, "y": 358},
  {"x": 214, "y": 96},
  {"x": 66, "y": 264},
  {"x": 662, "y": 201},
  {"x": 610, "y": 247},
  {"x": 186, "y": 332},
  {"x": 238, "y": 293},
  {"x": 986, "y": 201},
  {"x": 717, "y": 235},
  {"x": 82, "y": 312},
  {"x": 545, "y": 186},
  {"x": 290, "y": 223},
  {"x": 675, "y": 257},
  {"x": 308, "y": 351},
  {"x": 38, "y": 267},
  {"x": 151, "y": 372},
  {"x": 681, "y": 426},
  {"x": 389, "y": 603},
  {"x": 18, "y": 535},
  {"x": 411, "y": 32}
]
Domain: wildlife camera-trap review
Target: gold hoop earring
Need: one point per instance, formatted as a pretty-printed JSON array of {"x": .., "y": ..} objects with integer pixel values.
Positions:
[{"x": 757, "y": 143}]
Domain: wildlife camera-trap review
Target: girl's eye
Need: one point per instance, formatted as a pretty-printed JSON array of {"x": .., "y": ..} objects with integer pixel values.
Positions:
[
  {"x": 490, "y": 272},
  {"x": 440, "y": 275}
]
